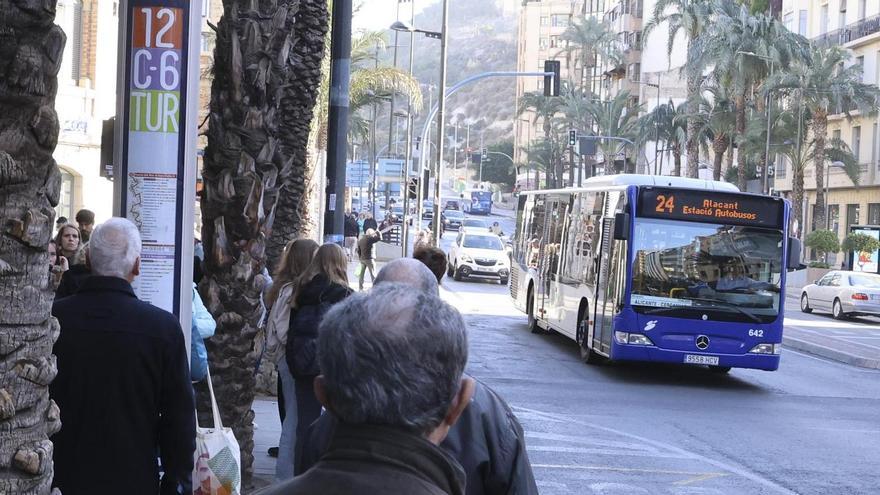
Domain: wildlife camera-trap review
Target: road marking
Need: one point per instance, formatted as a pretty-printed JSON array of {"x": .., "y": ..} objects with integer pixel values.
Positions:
[
  {"x": 694, "y": 477},
  {"x": 848, "y": 430},
  {"x": 718, "y": 464},
  {"x": 614, "y": 452}
]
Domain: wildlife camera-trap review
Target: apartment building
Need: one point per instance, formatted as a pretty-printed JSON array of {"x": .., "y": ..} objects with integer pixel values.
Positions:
[
  {"x": 86, "y": 96},
  {"x": 854, "y": 24}
]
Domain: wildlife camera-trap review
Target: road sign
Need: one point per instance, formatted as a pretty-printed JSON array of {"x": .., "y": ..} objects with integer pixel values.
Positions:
[{"x": 357, "y": 174}]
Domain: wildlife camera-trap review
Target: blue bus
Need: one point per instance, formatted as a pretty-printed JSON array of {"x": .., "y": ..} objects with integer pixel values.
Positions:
[
  {"x": 644, "y": 268},
  {"x": 477, "y": 201}
]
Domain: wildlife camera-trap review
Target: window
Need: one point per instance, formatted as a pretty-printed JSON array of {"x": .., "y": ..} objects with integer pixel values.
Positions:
[
  {"x": 802, "y": 23},
  {"x": 788, "y": 21},
  {"x": 833, "y": 217},
  {"x": 554, "y": 42},
  {"x": 76, "y": 52},
  {"x": 559, "y": 20},
  {"x": 206, "y": 43},
  {"x": 206, "y": 8},
  {"x": 841, "y": 17},
  {"x": 874, "y": 144},
  {"x": 835, "y": 134},
  {"x": 823, "y": 19},
  {"x": 862, "y": 8},
  {"x": 860, "y": 61},
  {"x": 874, "y": 214},
  {"x": 781, "y": 167},
  {"x": 857, "y": 142},
  {"x": 852, "y": 217},
  {"x": 543, "y": 44}
]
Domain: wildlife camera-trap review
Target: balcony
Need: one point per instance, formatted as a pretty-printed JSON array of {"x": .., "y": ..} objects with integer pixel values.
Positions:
[{"x": 852, "y": 32}]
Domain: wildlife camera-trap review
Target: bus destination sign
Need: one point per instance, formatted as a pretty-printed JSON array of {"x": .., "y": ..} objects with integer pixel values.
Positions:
[{"x": 711, "y": 206}]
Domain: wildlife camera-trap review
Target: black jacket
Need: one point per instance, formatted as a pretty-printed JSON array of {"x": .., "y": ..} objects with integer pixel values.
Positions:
[
  {"x": 71, "y": 281},
  {"x": 312, "y": 302},
  {"x": 487, "y": 441},
  {"x": 370, "y": 223},
  {"x": 351, "y": 227},
  {"x": 125, "y": 395},
  {"x": 365, "y": 460}
]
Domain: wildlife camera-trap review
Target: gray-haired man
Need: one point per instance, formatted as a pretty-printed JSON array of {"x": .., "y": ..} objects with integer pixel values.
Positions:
[
  {"x": 487, "y": 440},
  {"x": 123, "y": 382},
  {"x": 395, "y": 403}
]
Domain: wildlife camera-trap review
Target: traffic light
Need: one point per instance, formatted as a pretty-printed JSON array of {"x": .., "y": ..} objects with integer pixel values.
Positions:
[
  {"x": 572, "y": 138},
  {"x": 551, "y": 82},
  {"x": 484, "y": 154},
  {"x": 412, "y": 188}
]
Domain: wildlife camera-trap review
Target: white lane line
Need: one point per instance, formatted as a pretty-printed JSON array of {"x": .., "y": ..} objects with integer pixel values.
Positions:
[
  {"x": 847, "y": 430},
  {"x": 691, "y": 455},
  {"x": 692, "y": 476},
  {"x": 612, "y": 452}
]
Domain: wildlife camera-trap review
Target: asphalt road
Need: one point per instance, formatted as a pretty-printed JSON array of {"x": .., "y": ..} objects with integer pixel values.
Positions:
[{"x": 809, "y": 428}]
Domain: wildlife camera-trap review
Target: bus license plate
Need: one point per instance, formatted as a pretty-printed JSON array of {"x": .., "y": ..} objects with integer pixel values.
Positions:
[{"x": 693, "y": 359}]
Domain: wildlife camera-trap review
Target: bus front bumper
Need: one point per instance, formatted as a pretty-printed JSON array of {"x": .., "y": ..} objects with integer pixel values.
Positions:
[{"x": 628, "y": 352}]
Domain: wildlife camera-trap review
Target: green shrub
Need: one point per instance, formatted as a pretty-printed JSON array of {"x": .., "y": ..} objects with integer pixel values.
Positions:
[
  {"x": 860, "y": 243},
  {"x": 823, "y": 242}
]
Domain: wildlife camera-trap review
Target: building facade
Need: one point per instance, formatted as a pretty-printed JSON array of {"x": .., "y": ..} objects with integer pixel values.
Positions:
[{"x": 854, "y": 24}]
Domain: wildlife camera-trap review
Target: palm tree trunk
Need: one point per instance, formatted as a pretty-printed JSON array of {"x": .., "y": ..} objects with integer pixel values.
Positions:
[
  {"x": 693, "y": 128},
  {"x": 740, "y": 104},
  {"x": 676, "y": 155},
  {"x": 719, "y": 146},
  {"x": 820, "y": 127},
  {"x": 729, "y": 157},
  {"x": 297, "y": 104},
  {"x": 253, "y": 159},
  {"x": 797, "y": 199},
  {"x": 30, "y": 56}
]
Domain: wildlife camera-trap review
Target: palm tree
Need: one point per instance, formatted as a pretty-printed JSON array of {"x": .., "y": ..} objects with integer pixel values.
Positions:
[
  {"x": 827, "y": 86},
  {"x": 30, "y": 48},
  {"x": 716, "y": 115},
  {"x": 668, "y": 123},
  {"x": 252, "y": 162},
  {"x": 692, "y": 17},
  {"x": 743, "y": 48},
  {"x": 616, "y": 117},
  {"x": 590, "y": 39},
  {"x": 545, "y": 109}
]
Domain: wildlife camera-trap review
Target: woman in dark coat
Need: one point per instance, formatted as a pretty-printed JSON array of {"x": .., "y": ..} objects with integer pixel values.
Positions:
[{"x": 323, "y": 284}]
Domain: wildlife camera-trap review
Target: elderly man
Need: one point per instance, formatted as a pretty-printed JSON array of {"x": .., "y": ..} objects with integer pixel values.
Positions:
[
  {"x": 123, "y": 382},
  {"x": 395, "y": 403},
  {"x": 487, "y": 441}
]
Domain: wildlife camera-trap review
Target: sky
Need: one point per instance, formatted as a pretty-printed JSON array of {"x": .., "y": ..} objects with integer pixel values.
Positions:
[{"x": 379, "y": 14}]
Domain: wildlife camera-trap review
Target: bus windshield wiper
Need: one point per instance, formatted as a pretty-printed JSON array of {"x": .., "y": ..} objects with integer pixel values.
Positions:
[{"x": 726, "y": 304}]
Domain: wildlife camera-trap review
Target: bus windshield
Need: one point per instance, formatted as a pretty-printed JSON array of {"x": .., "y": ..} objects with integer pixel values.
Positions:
[{"x": 688, "y": 269}]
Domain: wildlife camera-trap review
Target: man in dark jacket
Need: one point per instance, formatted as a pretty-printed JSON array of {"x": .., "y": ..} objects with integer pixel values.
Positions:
[
  {"x": 123, "y": 382},
  {"x": 487, "y": 440},
  {"x": 396, "y": 401},
  {"x": 352, "y": 231},
  {"x": 370, "y": 223}
]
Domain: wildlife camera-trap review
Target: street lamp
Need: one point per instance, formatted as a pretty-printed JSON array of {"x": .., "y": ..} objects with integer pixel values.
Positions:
[
  {"x": 834, "y": 164},
  {"x": 765, "y": 186},
  {"x": 403, "y": 26}
]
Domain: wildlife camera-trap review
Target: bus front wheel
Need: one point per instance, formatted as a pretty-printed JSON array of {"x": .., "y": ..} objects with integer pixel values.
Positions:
[
  {"x": 588, "y": 355},
  {"x": 533, "y": 321}
]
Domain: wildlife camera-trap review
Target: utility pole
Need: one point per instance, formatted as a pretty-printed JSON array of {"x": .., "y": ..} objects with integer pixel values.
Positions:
[
  {"x": 438, "y": 178},
  {"x": 337, "y": 121},
  {"x": 455, "y": 148},
  {"x": 408, "y": 156}
]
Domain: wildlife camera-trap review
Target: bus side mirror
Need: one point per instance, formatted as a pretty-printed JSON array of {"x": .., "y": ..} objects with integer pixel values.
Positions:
[
  {"x": 621, "y": 226},
  {"x": 794, "y": 253}
]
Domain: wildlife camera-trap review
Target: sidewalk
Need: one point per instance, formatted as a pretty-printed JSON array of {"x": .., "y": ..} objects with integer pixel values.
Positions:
[{"x": 855, "y": 342}]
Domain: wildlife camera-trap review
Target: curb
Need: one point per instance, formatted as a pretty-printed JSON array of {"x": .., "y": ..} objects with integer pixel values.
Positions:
[{"x": 829, "y": 353}]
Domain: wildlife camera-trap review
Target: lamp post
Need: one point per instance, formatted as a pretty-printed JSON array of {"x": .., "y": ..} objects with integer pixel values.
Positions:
[
  {"x": 765, "y": 179},
  {"x": 656, "y": 121},
  {"x": 438, "y": 174}
]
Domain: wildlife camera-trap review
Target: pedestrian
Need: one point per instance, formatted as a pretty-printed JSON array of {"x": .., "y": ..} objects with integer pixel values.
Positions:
[
  {"x": 361, "y": 218},
  {"x": 60, "y": 221},
  {"x": 85, "y": 220},
  {"x": 323, "y": 284},
  {"x": 423, "y": 239},
  {"x": 366, "y": 256},
  {"x": 369, "y": 223},
  {"x": 352, "y": 231},
  {"x": 396, "y": 383},
  {"x": 203, "y": 327},
  {"x": 434, "y": 258},
  {"x": 68, "y": 242},
  {"x": 487, "y": 441},
  {"x": 123, "y": 381},
  {"x": 297, "y": 256},
  {"x": 57, "y": 265},
  {"x": 496, "y": 229}
]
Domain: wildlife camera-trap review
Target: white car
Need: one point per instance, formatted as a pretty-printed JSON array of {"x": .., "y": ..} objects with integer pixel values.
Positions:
[
  {"x": 475, "y": 225},
  {"x": 844, "y": 294},
  {"x": 478, "y": 254}
]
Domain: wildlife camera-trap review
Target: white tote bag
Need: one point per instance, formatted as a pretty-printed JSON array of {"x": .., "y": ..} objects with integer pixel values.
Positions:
[{"x": 217, "y": 468}]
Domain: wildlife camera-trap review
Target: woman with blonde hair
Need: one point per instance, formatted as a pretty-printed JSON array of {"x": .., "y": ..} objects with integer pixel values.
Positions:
[
  {"x": 323, "y": 284},
  {"x": 295, "y": 259}
]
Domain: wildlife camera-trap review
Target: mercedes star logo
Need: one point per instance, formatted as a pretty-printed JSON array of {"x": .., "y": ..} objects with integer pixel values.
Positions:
[{"x": 702, "y": 342}]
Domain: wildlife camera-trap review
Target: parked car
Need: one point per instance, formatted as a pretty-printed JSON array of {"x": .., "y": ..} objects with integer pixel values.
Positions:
[
  {"x": 844, "y": 294},
  {"x": 455, "y": 217},
  {"x": 427, "y": 209},
  {"x": 452, "y": 204},
  {"x": 397, "y": 214},
  {"x": 478, "y": 254},
  {"x": 475, "y": 224}
]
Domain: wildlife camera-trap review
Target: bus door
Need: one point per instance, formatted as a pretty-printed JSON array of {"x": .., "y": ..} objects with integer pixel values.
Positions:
[
  {"x": 606, "y": 286},
  {"x": 559, "y": 209}
]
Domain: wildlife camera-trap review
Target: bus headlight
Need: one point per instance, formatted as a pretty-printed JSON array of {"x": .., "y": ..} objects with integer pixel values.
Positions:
[
  {"x": 766, "y": 349},
  {"x": 632, "y": 338}
]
